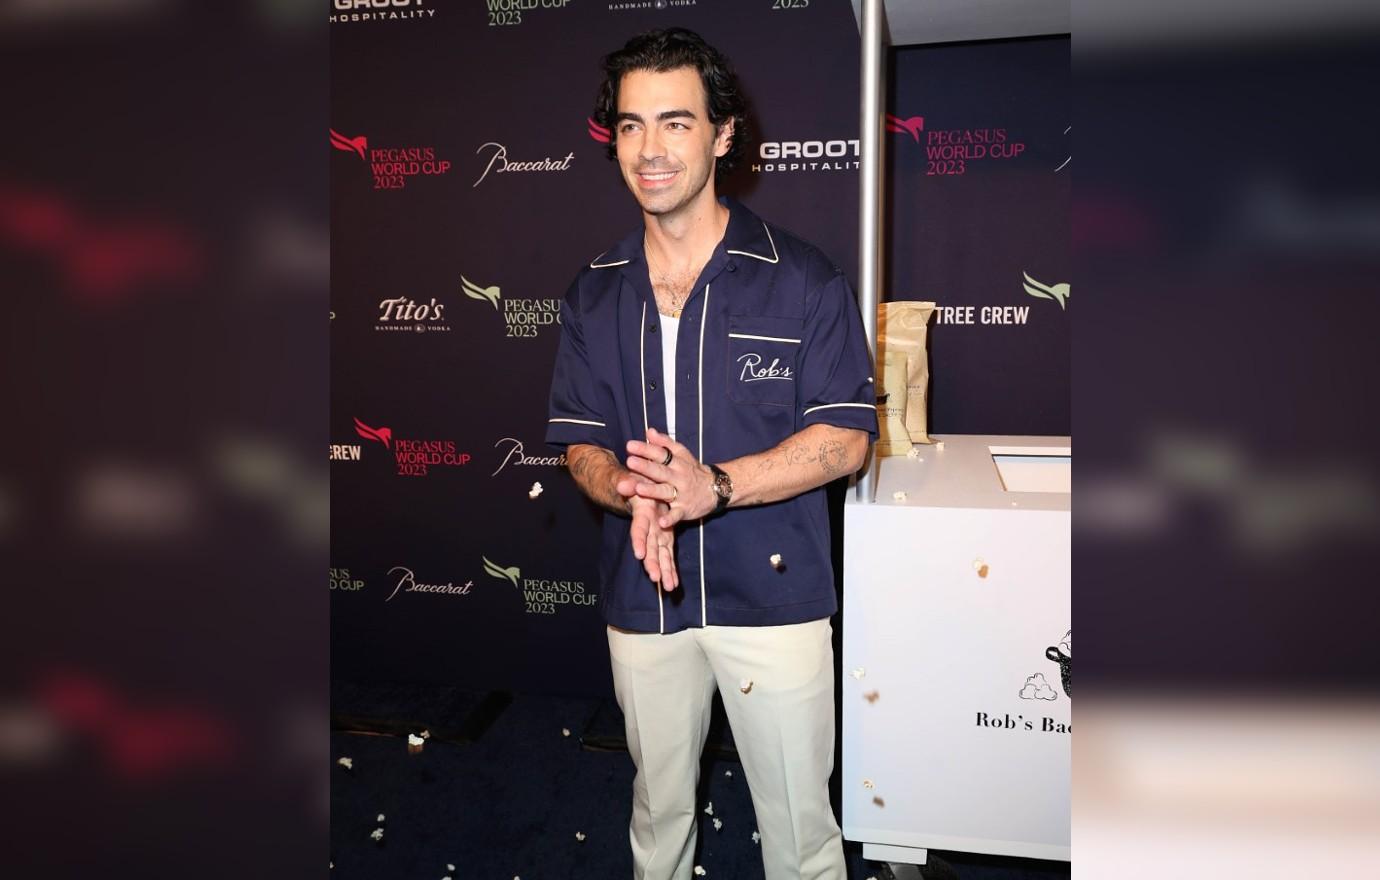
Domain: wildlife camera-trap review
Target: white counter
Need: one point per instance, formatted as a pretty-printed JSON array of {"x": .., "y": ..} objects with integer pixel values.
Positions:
[{"x": 956, "y": 725}]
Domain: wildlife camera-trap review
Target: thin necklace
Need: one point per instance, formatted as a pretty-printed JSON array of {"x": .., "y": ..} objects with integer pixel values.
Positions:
[{"x": 677, "y": 302}]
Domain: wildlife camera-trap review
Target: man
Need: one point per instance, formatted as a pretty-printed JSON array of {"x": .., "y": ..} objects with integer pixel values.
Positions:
[{"x": 723, "y": 360}]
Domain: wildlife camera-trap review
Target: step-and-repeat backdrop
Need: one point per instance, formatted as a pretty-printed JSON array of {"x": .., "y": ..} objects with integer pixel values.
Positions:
[{"x": 468, "y": 187}]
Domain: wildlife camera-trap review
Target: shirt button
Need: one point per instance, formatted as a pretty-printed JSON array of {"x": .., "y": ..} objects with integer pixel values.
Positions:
[
  {"x": 652, "y": 385},
  {"x": 732, "y": 267},
  {"x": 651, "y": 329}
]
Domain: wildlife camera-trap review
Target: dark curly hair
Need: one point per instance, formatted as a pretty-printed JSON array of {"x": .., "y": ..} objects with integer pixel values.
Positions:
[{"x": 672, "y": 49}]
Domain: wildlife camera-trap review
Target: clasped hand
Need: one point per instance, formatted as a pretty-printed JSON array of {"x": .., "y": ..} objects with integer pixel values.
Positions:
[{"x": 668, "y": 486}]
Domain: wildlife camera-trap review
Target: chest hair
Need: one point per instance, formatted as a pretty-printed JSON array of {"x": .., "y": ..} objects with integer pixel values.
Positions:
[{"x": 672, "y": 290}]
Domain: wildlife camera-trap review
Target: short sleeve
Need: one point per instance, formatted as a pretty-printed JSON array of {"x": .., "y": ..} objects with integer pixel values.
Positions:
[
  {"x": 573, "y": 415},
  {"x": 835, "y": 377}
]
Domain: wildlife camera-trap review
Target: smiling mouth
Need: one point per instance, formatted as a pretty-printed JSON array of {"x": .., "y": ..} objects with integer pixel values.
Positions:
[{"x": 655, "y": 176}]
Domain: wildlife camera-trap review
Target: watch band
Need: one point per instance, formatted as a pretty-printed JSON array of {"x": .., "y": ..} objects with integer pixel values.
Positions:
[{"x": 723, "y": 487}]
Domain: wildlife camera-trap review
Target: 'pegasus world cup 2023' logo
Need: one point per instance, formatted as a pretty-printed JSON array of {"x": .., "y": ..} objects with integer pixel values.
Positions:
[
  {"x": 508, "y": 13},
  {"x": 951, "y": 151},
  {"x": 415, "y": 458},
  {"x": 392, "y": 167},
  {"x": 523, "y": 317},
  {"x": 542, "y": 595}
]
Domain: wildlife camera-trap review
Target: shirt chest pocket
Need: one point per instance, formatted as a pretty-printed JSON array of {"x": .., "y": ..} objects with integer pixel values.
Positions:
[{"x": 762, "y": 359}]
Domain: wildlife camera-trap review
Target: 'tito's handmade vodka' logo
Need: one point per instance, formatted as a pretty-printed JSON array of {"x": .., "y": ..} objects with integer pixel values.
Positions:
[{"x": 402, "y": 314}]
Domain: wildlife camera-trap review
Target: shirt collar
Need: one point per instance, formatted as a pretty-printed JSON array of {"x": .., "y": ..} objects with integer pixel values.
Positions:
[{"x": 746, "y": 236}]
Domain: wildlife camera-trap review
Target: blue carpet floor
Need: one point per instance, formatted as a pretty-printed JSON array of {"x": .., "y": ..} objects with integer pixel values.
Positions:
[{"x": 512, "y": 802}]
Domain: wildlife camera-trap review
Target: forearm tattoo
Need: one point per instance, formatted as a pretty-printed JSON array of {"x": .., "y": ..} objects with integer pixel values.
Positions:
[
  {"x": 596, "y": 472},
  {"x": 832, "y": 455}
]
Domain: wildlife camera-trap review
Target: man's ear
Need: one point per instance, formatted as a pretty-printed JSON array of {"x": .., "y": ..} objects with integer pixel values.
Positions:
[{"x": 724, "y": 140}]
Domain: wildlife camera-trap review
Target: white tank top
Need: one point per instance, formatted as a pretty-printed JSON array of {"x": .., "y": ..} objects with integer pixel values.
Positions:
[{"x": 670, "y": 328}]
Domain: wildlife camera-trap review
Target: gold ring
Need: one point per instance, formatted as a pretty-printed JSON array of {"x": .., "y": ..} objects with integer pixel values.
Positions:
[
  {"x": 668, "y": 459},
  {"x": 675, "y": 493}
]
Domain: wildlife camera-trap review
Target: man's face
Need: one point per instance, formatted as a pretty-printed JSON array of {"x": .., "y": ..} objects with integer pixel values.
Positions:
[{"x": 665, "y": 142}]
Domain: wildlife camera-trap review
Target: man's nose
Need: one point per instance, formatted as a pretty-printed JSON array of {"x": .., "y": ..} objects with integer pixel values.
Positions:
[{"x": 651, "y": 146}]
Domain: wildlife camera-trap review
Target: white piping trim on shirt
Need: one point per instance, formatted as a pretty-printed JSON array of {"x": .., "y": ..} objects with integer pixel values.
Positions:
[
  {"x": 595, "y": 265},
  {"x": 579, "y": 422},
  {"x": 704, "y": 316},
  {"x": 830, "y": 405},
  {"x": 763, "y": 338},
  {"x": 642, "y": 372},
  {"x": 642, "y": 367},
  {"x": 775, "y": 257}
]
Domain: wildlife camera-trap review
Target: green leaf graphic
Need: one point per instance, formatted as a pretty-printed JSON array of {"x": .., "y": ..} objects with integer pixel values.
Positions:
[
  {"x": 1057, "y": 292},
  {"x": 474, "y": 291},
  {"x": 492, "y": 569}
]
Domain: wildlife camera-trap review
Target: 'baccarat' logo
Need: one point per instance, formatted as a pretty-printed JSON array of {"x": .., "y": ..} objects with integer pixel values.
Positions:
[
  {"x": 415, "y": 458},
  {"x": 407, "y": 583}
]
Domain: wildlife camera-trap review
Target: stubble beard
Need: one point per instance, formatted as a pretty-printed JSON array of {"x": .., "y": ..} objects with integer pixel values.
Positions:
[{"x": 661, "y": 204}]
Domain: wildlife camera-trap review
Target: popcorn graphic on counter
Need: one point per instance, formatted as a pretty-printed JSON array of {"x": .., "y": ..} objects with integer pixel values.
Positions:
[{"x": 1036, "y": 688}]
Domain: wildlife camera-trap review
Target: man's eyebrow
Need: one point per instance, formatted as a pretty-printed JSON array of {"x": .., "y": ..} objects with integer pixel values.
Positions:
[{"x": 660, "y": 117}]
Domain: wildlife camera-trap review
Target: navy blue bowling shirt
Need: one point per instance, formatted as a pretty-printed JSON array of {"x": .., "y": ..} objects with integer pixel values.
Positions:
[{"x": 770, "y": 342}]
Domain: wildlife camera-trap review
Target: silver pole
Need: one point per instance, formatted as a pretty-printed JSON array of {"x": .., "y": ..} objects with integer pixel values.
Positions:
[{"x": 870, "y": 199}]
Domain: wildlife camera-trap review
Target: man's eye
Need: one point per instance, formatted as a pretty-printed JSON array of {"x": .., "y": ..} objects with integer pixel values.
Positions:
[
  {"x": 626, "y": 127},
  {"x": 676, "y": 125}
]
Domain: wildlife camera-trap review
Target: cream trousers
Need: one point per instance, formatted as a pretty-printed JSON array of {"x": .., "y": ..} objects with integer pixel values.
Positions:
[{"x": 777, "y": 684}]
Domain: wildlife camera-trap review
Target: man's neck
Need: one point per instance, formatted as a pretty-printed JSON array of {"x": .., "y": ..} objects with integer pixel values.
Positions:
[{"x": 688, "y": 236}]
